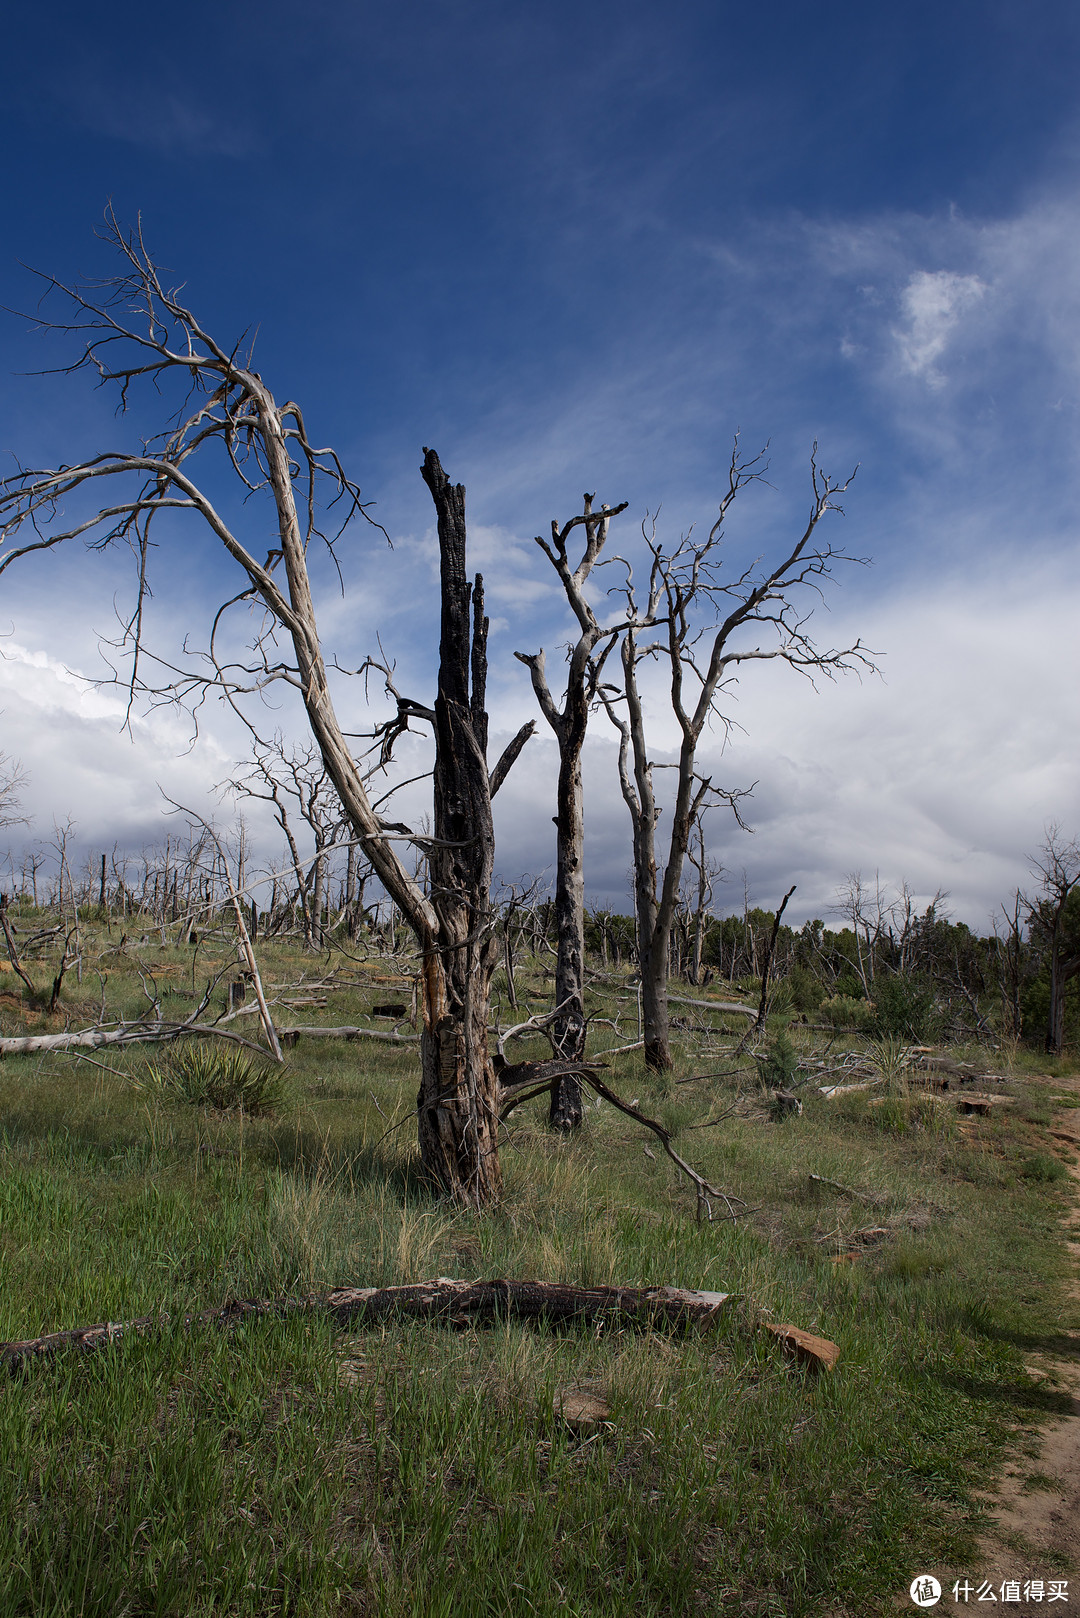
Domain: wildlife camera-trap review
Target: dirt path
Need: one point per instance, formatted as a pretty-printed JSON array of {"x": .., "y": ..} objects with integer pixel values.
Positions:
[{"x": 1035, "y": 1532}]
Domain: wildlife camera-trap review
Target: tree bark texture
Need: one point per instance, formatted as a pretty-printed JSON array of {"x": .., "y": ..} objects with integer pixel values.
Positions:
[{"x": 569, "y": 1028}]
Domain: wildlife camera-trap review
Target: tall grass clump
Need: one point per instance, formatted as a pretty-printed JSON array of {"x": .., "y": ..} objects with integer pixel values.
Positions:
[{"x": 205, "y": 1075}]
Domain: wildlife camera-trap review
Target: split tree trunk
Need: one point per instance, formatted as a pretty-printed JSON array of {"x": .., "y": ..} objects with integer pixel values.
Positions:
[
  {"x": 568, "y": 1029},
  {"x": 458, "y": 1101}
]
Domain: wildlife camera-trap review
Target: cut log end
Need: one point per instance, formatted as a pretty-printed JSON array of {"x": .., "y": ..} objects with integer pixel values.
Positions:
[{"x": 817, "y": 1353}]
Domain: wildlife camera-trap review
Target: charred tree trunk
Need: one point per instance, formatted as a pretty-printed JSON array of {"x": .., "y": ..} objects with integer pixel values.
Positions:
[
  {"x": 458, "y": 1101},
  {"x": 568, "y": 1029},
  {"x": 770, "y": 950}
]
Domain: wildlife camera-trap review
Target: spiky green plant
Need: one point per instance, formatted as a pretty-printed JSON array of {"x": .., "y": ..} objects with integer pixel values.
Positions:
[
  {"x": 892, "y": 1058},
  {"x": 205, "y": 1075}
]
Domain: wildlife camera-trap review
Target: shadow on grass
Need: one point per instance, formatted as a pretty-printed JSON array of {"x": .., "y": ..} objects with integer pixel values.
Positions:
[
  {"x": 1064, "y": 1344},
  {"x": 1031, "y": 1399},
  {"x": 130, "y": 1146}
]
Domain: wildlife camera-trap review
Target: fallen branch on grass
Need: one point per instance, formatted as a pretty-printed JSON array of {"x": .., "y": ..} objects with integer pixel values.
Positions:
[
  {"x": 524, "y": 1080},
  {"x": 93, "y": 1039},
  {"x": 712, "y": 1005},
  {"x": 289, "y": 1036},
  {"x": 455, "y": 1303},
  {"x": 870, "y": 1200}
]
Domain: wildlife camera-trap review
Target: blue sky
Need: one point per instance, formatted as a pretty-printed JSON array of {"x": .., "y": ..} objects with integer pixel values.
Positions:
[{"x": 579, "y": 247}]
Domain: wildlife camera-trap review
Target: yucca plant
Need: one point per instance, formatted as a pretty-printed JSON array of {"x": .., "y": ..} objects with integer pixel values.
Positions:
[
  {"x": 206, "y": 1075},
  {"x": 893, "y": 1059}
]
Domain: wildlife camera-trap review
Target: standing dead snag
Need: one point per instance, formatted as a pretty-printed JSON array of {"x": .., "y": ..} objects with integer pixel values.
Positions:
[
  {"x": 1054, "y": 918},
  {"x": 134, "y": 329},
  {"x": 699, "y": 658},
  {"x": 458, "y": 1106},
  {"x": 569, "y": 724}
]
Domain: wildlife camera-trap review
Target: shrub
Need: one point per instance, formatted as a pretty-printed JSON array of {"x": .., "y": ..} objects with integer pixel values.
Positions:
[
  {"x": 849, "y": 985},
  {"x": 903, "y": 1008},
  {"x": 892, "y": 1059},
  {"x": 1042, "y": 1169},
  {"x": 778, "y": 1066},
  {"x": 807, "y": 991},
  {"x": 781, "y": 998},
  {"x": 206, "y": 1075},
  {"x": 841, "y": 1012}
]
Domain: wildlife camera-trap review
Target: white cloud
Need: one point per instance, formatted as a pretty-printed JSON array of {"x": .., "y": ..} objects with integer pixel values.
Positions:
[
  {"x": 68, "y": 734},
  {"x": 933, "y": 302}
]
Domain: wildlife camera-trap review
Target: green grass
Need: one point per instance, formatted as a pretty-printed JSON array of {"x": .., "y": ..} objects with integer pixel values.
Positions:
[{"x": 282, "y": 1466}]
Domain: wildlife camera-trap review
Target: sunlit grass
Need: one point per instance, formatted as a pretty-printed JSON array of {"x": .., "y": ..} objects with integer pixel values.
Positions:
[{"x": 284, "y": 1466}]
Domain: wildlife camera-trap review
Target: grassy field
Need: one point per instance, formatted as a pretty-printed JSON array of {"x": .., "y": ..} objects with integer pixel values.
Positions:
[{"x": 283, "y": 1466}]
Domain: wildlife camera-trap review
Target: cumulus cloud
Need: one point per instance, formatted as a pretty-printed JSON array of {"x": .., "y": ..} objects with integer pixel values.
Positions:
[{"x": 67, "y": 731}]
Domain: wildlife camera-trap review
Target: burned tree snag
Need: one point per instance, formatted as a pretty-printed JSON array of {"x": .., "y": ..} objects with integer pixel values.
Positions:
[
  {"x": 458, "y": 1100},
  {"x": 569, "y": 724}
]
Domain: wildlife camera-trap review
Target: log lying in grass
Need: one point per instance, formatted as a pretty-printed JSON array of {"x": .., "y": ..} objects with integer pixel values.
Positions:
[
  {"x": 93, "y": 1039},
  {"x": 713, "y": 1005},
  {"x": 289, "y": 1036},
  {"x": 463, "y": 1302},
  {"x": 454, "y": 1303}
]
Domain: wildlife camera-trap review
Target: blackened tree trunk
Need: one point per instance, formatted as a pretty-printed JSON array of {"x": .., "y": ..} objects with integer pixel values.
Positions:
[{"x": 458, "y": 1101}]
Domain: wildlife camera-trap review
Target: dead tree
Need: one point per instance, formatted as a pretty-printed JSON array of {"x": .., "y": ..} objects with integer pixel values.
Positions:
[
  {"x": 1009, "y": 959},
  {"x": 687, "y": 590},
  {"x": 12, "y": 779},
  {"x": 569, "y": 723},
  {"x": 1054, "y": 917},
  {"x": 278, "y": 774},
  {"x": 707, "y": 872},
  {"x": 133, "y": 328}
]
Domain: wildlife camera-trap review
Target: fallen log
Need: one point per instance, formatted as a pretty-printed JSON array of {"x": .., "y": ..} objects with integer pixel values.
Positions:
[
  {"x": 134, "y": 1034},
  {"x": 289, "y": 1036},
  {"x": 712, "y": 1005},
  {"x": 465, "y": 1302},
  {"x": 449, "y": 1301},
  {"x": 453, "y": 1303}
]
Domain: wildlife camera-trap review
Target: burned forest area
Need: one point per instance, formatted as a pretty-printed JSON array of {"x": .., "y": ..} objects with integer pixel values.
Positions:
[{"x": 379, "y": 1237}]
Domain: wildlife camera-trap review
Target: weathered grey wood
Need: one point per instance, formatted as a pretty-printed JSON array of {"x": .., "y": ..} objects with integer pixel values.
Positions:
[
  {"x": 455, "y": 1302},
  {"x": 569, "y": 724},
  {"x": 712, "y": 1005}
]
